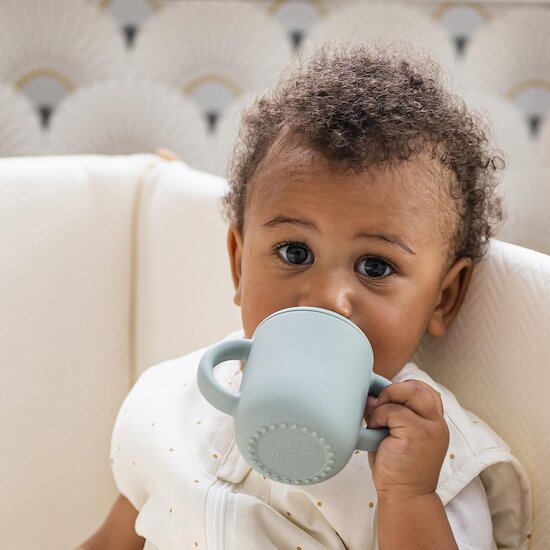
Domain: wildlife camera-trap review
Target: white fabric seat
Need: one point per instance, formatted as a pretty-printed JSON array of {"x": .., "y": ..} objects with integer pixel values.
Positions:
[{"x": 112, "y": 264}]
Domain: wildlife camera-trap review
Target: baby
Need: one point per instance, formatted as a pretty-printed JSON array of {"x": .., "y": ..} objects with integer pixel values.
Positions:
[{"x": 360, "y": 185}]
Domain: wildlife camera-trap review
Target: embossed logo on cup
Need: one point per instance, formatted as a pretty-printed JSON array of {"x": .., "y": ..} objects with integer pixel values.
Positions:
[{"x": 289, "y": 451}]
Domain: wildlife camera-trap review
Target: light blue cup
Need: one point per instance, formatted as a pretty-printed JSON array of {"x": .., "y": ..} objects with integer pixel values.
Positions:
[{"x": 298, "y": 416}]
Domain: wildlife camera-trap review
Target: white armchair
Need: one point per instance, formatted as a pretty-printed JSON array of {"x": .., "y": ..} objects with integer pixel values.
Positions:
[
  {"x": 112, "y": 264},
  {"x": 105, "y": 269}
]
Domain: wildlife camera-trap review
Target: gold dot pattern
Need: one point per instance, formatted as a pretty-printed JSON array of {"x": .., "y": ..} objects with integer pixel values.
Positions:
[{"x": 215, "y": 455}]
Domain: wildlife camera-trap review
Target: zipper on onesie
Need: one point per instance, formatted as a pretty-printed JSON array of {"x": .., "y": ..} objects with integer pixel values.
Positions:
[{"x": 219, "y": 518}]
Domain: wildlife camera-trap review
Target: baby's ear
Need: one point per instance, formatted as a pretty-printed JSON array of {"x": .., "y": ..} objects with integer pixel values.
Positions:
[
  {"x": 234, "y": 249},
  {"x": 451, "y": 296}
]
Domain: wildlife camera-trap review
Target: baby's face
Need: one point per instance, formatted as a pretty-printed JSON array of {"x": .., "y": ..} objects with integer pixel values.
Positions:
[{"x": 368, "y": 246}]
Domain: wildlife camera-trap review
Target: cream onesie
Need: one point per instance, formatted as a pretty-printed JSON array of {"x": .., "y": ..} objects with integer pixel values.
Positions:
[{"x": 174, "y": 457}]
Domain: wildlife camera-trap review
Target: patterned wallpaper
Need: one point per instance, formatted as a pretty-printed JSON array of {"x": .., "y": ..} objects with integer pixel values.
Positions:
[{"x": 125, "y": 76}]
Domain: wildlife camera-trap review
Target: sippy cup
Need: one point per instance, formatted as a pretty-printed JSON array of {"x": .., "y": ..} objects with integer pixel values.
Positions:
[{"x": 298, "y": 416}]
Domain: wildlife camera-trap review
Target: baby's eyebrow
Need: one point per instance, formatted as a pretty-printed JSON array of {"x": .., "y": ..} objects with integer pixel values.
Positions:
[
  {"x": 390, "y": 239},
  {"x": 277, "y": 220}
]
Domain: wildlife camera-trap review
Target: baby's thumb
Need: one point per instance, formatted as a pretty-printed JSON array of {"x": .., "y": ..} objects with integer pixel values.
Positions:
[{"x": 371, "y": 405}]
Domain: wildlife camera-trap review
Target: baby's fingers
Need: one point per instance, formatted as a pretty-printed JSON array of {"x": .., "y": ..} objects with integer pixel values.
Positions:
[
  {"x": 393, "y": 416},
  {"x": 417, "y": 396},
  {"x": 371, "y": 404},
  {"x": 406, "y": 425}
]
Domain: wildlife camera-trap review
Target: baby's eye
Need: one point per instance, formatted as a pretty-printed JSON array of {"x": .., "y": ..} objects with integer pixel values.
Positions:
[
  {"x": 294, "y": 253},
  {"x": 375, "y": 268}
]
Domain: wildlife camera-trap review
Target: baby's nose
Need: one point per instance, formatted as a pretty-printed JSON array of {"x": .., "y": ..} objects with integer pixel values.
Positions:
[{"x": 333, "y": 291}]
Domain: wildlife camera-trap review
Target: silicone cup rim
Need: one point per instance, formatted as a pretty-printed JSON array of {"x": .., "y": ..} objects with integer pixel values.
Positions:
[{"x": 319, "y": 310}]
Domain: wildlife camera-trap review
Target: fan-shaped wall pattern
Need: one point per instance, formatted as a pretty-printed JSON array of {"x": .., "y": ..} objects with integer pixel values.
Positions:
[
  {"x": 511, "y": 54},
  {"x": 234, "y": 44},
  {"x": 507, "y": 124},
  {"x": 525, "y": 181},
  {"x": 542, "y": 148},
  {"x": 223, "y": 141},
  {"x": 526, "y": 192},
  {"x": 70, "y": 40},
  {"x": 19, "y": 127},
  {"x": 364, "y": 21},
  {"x": 129, "y": 14},
  {"x": 217, "y": 52},
  {"x": 461, "y": 20},
  {"x": 298, "y": 17},
  {"x": 126, "y": 115}
]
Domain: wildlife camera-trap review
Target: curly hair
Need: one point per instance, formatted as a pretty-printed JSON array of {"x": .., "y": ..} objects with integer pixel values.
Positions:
[{"x": 365, "y": 105}]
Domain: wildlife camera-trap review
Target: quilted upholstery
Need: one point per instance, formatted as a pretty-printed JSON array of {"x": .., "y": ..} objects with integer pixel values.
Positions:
[
  {"x": 66, "y": 230},
  {"x": 112, "y": 264},
  {"x": 184, "y": 290},
  {"x": 109, "y": 265},
  {"x": 496, "y": 359}
]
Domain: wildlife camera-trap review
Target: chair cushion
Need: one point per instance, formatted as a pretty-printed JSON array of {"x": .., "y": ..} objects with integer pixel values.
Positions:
[
  {"x": 184, "y": 286},
  {"x": 495, "y": 358},
  {"x": 65, "y": 241}
]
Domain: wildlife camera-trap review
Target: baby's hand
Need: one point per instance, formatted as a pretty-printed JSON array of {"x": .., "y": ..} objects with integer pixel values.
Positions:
[{"x": 409, "y": 459}]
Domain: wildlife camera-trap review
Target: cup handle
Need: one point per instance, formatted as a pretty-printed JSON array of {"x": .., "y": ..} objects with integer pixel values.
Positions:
[
  {"x": 210, "y": 388},
  {"x": 370, "y": 438}
]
